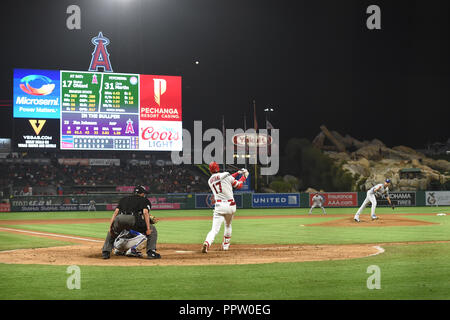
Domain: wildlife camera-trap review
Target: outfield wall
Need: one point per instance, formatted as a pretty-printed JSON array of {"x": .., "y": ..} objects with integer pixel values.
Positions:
[{"x": 175, "y": 201}]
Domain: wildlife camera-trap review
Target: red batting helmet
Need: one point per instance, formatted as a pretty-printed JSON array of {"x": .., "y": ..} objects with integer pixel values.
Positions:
[{"x": 214, "y": 167}]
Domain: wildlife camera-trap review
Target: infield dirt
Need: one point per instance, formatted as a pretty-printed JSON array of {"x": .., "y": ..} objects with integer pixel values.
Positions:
[{"x": 87, "y": 251}]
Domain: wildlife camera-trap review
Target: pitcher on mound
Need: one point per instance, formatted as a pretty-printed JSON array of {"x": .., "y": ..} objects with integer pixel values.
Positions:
[{"x": 222, "y": 184}]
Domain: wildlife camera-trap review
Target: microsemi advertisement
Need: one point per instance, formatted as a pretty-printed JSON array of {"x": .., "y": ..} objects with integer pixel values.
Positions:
[
  {"x": 36, "y": 94},
  {"x": 102, "y": 111}
]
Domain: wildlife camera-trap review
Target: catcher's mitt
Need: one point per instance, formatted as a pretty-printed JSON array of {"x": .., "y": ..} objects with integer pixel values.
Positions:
[{"x": 153, "y": 219}]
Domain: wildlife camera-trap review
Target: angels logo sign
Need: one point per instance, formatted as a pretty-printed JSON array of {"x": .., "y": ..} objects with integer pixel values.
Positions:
[
  {"x": 100, "y": 56},
  {"x": 129, "y": 128}
]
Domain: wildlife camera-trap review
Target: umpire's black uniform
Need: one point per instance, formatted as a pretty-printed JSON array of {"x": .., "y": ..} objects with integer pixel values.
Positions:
[{"x": 130, "y": 216}]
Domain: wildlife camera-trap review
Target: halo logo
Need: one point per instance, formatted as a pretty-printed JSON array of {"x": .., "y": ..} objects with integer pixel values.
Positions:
[
  {"x": 100, "y": 56},
  {"x": 46, "y": 87}
]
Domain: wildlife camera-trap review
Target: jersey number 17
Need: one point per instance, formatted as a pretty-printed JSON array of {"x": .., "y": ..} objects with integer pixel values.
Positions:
[{"x": 219, "y": 184}]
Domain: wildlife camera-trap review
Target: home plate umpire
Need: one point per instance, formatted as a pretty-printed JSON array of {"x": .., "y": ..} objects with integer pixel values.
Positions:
[{"x": 133, "y": 213}]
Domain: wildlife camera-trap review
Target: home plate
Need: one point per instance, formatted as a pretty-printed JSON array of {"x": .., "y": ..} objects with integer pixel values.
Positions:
[{"x": 183, "y": 251}]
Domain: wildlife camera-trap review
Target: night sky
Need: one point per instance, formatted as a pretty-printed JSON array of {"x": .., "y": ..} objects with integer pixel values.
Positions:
[{"x": 314, "y": 62}]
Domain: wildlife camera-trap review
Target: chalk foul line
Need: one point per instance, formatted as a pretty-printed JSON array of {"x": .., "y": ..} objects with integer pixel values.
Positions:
[{"x": 49, "y": 234}]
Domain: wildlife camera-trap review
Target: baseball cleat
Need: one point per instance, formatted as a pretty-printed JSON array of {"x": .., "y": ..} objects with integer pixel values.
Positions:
[
  {"x": 153, "y": 255},
  {"x": 356, "y": 219},
  {"x": 133, "y": 253},
  {"x": 106, "y": 254},
  {"x": 374, "y": 218},
  {"x": 225, "y": 247},
  {"x": 205, "y": 247},
  {"x": 119, "y": 253}
]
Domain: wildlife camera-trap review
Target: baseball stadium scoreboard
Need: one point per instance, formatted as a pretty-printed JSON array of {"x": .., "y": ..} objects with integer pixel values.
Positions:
[{"x": 82, "y": 110}]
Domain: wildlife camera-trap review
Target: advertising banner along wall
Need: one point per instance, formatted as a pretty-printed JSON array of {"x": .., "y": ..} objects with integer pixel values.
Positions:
[
  {"x": 275, "y": 200},
  {"x": 337, "y": 199},
  {"x": 437, "y": 198},
  {"x": 405, "y": 198},
  {"x": 206, "y": 200}
]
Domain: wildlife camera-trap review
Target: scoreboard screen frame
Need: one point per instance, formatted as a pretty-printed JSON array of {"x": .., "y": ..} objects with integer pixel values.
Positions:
[{"x": 131, "y": 113}]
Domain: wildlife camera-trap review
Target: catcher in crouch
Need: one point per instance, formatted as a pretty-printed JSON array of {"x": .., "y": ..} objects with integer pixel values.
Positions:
[{"x": 222, "y": 184}]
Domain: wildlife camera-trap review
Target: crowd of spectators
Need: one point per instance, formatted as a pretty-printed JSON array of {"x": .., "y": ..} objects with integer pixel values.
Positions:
[{"x": 20, "y": 178}]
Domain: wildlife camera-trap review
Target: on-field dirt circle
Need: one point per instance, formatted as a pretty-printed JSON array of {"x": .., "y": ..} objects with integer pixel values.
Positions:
[{"x": 87, "y": 251}]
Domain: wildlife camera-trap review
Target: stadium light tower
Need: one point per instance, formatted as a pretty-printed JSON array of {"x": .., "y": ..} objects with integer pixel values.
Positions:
[{"x": 267, "y": 111}]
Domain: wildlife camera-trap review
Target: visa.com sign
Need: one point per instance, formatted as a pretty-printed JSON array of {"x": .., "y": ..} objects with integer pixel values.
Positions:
[{"x": 36, "y": 94}]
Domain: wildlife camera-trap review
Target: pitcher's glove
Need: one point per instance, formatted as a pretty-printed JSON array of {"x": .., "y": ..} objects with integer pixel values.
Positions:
[{"x": 153, "y": 219}]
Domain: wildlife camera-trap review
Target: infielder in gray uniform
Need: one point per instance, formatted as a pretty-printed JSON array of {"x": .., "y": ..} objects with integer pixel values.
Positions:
[
  {"x": 317, "y": 201},
  {"x": 374, "y": 192}
]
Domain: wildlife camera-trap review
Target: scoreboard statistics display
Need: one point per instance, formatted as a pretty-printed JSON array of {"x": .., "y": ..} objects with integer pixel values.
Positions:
[{"x": 103, "y": 111}]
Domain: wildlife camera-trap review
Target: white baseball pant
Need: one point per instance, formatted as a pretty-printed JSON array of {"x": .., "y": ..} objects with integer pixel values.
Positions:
[
  {"x": 123, "y": 244},
  {"x": 316, "y": 205},
  {"x": 223, "y": 213},
  {"x": 369, "y": 198}
]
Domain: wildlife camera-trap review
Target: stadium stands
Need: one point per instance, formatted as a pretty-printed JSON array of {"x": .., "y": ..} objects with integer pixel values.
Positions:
[{"x": 75, "y": 173}]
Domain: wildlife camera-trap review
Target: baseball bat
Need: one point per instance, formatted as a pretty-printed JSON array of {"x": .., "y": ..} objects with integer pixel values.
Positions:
[{"x": 233, "y": 167}]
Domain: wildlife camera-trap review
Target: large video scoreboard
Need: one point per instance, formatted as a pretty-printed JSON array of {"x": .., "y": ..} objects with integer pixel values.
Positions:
[{"x": 96, "y": 110}]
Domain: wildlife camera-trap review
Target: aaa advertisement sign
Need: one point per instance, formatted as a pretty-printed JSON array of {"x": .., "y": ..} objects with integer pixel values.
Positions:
[{"x": 337, "y": 199}]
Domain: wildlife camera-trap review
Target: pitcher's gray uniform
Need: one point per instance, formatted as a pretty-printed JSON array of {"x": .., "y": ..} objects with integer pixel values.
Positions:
[
  {"x": 372, "y": 193},
  {"x": 317, "y": 201}
]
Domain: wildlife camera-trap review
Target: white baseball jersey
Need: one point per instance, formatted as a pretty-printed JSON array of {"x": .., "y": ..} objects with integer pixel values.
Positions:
[
  {"x": 381, "y": 191},
  {"x": 222, "y": 184},
  {"x": 317, "y": 200}
]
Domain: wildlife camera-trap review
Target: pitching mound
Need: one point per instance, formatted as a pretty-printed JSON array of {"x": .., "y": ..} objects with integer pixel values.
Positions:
[
  {"x": 366, "y": 221},
  {"x": 187, "y": 254}
]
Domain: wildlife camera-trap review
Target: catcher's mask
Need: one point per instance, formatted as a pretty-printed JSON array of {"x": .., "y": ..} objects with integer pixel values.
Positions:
[{"x": 214, "y": 167}]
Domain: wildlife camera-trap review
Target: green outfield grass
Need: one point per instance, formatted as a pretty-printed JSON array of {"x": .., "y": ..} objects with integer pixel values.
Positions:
[
  {"x": 420, "y": 271},
  {"x": 208, "y": 212}
]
